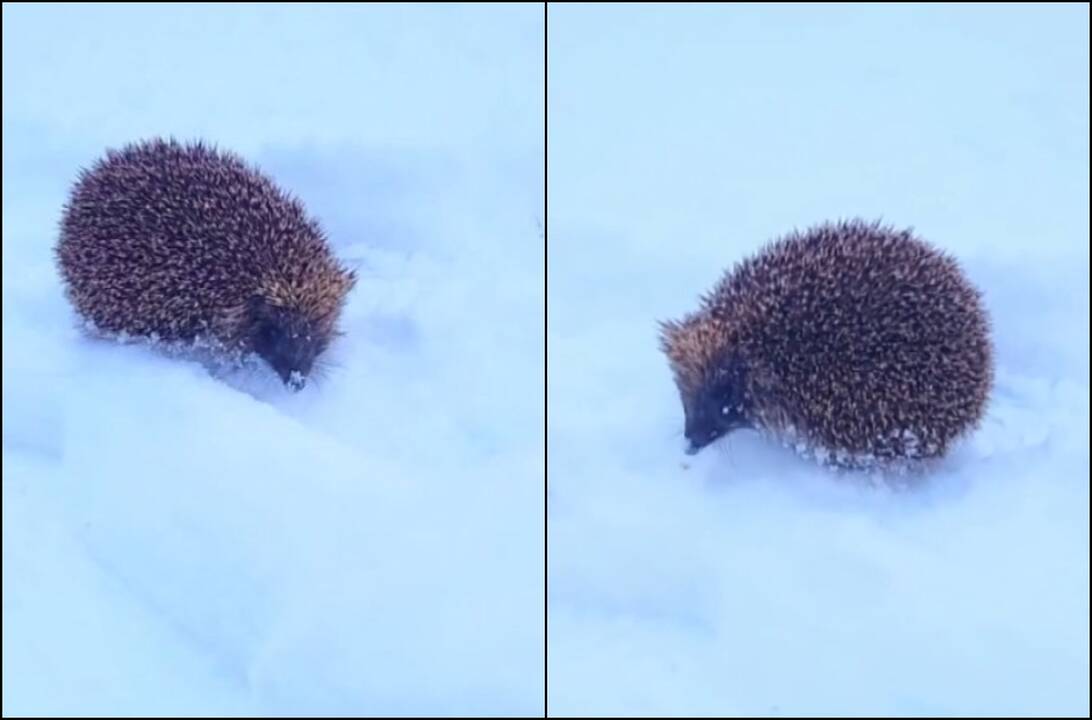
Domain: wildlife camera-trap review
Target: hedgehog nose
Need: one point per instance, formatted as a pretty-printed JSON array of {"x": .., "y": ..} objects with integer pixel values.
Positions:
[
  {"x": 295, "y": 380},
  {"x": 693, "y": 440}
]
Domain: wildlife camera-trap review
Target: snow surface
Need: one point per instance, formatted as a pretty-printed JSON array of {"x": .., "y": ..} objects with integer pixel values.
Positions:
[
  {"x": 746, "y": 580},
  {"x": 175, "y": 543}
]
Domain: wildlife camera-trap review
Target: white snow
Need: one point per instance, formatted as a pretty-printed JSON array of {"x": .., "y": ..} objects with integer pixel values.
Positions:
[
  {"x": 748, "y": 580},
  {"x": 178, "y": 543}
]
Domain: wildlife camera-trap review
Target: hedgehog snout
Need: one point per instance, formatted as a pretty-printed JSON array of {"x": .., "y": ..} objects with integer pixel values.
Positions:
[
  {"x": 701, "y": 431},
  {"x": 293, "y": 374},
  {"x": 711, "y": 418},
  {"x": 294, "y": 367},
  {"x": 290, "y": 353}
]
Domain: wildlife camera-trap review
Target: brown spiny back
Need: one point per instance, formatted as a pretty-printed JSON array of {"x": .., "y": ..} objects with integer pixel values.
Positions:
[{"x": 173, "y": 241}]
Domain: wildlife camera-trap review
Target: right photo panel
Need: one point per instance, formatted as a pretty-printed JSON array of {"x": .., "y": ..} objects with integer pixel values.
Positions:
[{"x": 817, "y": 360}]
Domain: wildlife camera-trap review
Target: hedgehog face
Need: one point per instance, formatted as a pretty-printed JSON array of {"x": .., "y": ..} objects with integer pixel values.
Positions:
[
  {"x": 710, "y": 378},
  {"x": 715, "y": 409},
  {"x": 287, "y": 341}
]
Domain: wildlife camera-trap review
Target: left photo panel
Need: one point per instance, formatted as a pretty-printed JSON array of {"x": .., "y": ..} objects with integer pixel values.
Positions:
[{"x": 273, "y": 360}]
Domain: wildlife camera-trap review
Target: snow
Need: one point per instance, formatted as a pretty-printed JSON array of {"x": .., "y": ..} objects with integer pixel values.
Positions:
[
  {"x": 180, "y": 541},
  {"x": 746, "y": 580}
]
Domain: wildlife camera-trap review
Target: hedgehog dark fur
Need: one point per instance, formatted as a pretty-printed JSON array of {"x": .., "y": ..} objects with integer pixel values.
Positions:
[
  {"x": 186, "y": 243},
  {"x": 855, "y": 342}
]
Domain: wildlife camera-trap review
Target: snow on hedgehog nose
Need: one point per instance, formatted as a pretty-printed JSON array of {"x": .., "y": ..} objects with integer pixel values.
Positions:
[
  {"x": 701, "y": 430},
  {"x": 700, "y": 439},
  {"x": 295, "y": 380}
]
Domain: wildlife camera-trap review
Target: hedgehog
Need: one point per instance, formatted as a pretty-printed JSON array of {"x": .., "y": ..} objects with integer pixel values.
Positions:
[
  {"x": 188, "y": 245},
  {"x": 856, "y": 344}
]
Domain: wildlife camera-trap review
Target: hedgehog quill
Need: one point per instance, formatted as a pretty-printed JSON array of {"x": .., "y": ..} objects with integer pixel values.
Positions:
[
  {"x": 184, "y": 243},
  {"x": 854, "y": 343}
]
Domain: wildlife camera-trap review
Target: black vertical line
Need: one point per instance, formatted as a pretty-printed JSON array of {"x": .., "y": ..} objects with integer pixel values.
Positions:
[{"x": 545, "y": 357}]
